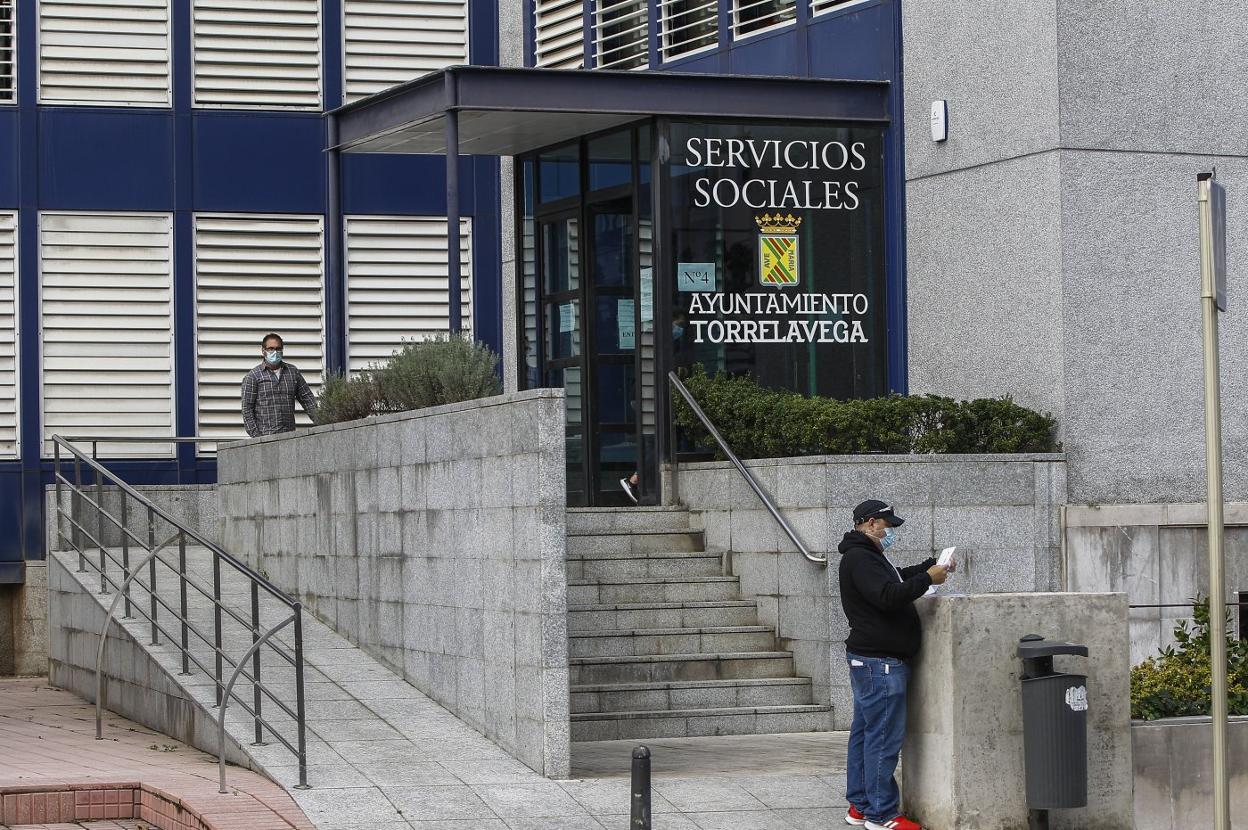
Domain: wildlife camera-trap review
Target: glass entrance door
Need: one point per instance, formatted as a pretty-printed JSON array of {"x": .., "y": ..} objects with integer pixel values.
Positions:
[{"x": 582, "y": 324}]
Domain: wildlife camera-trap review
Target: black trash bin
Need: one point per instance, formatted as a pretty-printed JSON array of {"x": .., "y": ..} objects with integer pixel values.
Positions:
[{"x": 1055, "y": 726}]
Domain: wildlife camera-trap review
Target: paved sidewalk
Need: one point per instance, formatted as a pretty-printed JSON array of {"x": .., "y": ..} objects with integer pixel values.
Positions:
[
  {"x": 383, "y": 756},
  {"x": 47, "y": 737}
]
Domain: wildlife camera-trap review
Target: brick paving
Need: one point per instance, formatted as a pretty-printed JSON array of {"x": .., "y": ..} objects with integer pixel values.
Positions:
[{"x": 48, "y": 753}]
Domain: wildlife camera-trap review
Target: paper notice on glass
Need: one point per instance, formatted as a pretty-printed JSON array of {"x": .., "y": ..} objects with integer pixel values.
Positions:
[
  {"x": 626, "y": 325},
  {"x": 946, "y": 556}
]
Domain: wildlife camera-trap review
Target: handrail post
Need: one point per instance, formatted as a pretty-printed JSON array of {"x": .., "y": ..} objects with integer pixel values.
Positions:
[
  {"x": 186, "y": 642},
  {"x": 257, "y": 699},
  {"x": 56, "y": 480},
  {"x": 225, "y": 701},
  {"x": 125, "y": 550},
  {"x": 99, "y": 517},
  {"x": 151, "y": 564},
  {"x": 299, "y": 701},
  {"x": 216, "y": 618},
  {"x": 76, "y": 512},
  {"x": 673, "y": 449}
]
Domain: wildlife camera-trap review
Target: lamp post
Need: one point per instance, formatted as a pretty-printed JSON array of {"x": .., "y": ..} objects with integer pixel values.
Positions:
[{"x": 1211, "y": 205}]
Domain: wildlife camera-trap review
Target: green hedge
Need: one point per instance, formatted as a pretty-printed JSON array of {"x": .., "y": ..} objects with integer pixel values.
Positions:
[
  {"x": 1178, "y": 681},
  {"x": 765, "y": 423},
  {"x": 423, "y": 373}
]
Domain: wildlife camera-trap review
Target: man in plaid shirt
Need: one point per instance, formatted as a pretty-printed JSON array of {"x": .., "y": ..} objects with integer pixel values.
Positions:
[{"x": 270, "y": 390}]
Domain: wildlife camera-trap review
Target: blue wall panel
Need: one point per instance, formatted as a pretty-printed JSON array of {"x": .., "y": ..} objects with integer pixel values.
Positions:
[
  {"x": 8, "y": 157},
  {"x": 10, "y": 519},
  {"x": 772, "y": 54},
  {"x": 259, "y": 163},
  {"x": 105, "y": 160},
  {"x": 380, "y": 183},
  {"x": 856, "y": 44}
]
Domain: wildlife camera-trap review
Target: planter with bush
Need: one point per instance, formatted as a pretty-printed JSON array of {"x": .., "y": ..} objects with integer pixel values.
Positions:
[
  {"x": 442, "y": 370},
  {"x": 1178, "y": 681},
  {"x": 765, "y": 423}
]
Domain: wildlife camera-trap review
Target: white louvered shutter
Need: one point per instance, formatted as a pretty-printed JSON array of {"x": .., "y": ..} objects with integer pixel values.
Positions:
[
  {"x": 104, "y": 52},
  {"x": 559, "y": 41},
  {"x": 817, "y": 6},
  {"x": 750, "y": 17},
  {"x": 397, "y": 283},
  {"x": 8, "y": 335},
  {"x": 8, "y": 53},
  {"x": 258, "y": 54},
  {"x": 106, "y": 309},
  {"x": 622, "y": 34},
  {"x": 688, "y": 26},
  {"x": 388, "y": 42},
  {"x": 253, "y": 275}
]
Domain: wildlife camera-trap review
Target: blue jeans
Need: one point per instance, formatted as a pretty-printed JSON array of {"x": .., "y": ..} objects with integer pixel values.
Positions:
[{"x": 875, "y": 735}]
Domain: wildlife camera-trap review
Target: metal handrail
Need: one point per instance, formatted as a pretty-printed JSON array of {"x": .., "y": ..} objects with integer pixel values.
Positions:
[
  {"x": 741, "y": 468},
  {"x": 260, "y": 636}
]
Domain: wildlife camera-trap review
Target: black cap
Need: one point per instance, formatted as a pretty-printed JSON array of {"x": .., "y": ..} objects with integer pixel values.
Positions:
[{"x": 876, "y": 509}]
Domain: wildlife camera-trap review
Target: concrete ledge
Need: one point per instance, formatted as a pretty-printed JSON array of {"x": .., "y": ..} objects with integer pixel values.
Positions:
[
  {"x": 963, "y": 756},
  {"x": 1174, "y": 772}
]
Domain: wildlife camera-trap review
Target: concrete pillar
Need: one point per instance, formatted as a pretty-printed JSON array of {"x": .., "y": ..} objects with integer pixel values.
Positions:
[{"x": 962, "y": 763}]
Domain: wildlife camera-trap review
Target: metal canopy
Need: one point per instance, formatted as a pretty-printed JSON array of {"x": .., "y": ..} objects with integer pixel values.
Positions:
[{"x": 507, "y": 111}]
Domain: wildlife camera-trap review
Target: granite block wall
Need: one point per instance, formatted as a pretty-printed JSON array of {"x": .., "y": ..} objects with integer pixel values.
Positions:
[
  {"x": 435, "y": 541},
  {"x": 1052, "y": 238},
  {"x": 1002, "y": 511},
  {"x": 195, "y": 505},
  {"x": 1157, "y": 554}
]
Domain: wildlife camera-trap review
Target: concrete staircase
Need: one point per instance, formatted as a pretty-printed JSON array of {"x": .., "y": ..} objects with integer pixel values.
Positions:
[{"x": 661, "y": 642}]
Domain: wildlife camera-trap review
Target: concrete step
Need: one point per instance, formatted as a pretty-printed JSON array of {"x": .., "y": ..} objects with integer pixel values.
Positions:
[
  {"x": 624, "y": 568},
  {"x": 650, "y": 668},
  {"x": 655, "y": 589},
  {"x": 761, "y": 720},
  {"x": 583, "y": 521},
  {"x": 671, "y": 641},
  {"x": 696, "y": 694},
  {"x": 626, "y": 616},
  {"x": 625, "y": 542}
]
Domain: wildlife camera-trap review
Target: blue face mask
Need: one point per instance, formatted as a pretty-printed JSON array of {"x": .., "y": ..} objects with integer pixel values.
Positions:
[
  {"x": 890, "y": 536},
  {"x": 677, "y": 331},
  {"x": 273, "y": 357}
]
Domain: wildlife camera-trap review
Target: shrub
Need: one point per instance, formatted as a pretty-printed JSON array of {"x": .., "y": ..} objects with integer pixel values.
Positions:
[
  {"x": 1178, "y": 682},
  {"x": 346, "y": 399},
  {"x": 766, "y": 423},
  {"x": 444, "y": 369}
]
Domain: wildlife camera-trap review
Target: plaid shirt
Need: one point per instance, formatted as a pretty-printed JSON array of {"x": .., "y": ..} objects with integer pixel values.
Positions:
[{"x": 269, "y": 401}]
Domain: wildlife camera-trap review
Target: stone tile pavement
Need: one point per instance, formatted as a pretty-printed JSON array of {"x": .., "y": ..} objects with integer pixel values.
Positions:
[
  {"x": 47, "y": 738},
  {"x": 384, "y": 756}
]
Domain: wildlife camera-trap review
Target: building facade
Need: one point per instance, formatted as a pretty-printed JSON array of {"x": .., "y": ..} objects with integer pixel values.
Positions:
[
  {"x": 163, "y": 193},
  {"x": 165, "y": 197}
]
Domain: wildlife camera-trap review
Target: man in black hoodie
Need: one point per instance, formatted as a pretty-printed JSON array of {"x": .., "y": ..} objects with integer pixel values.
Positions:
[{"x": 884, "y": 633}]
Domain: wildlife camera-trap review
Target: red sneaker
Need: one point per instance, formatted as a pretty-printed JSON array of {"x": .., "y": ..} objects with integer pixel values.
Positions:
[
  {"x": 898, "y": 823},
  {"x": 855, "y": 817}
]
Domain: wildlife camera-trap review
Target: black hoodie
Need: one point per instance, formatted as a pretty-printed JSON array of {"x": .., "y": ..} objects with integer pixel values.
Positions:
[{"x": 878, "y": 599}]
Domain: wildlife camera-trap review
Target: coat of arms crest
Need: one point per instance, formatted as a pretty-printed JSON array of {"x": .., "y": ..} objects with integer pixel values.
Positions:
[{"x": 777, "y": 249}]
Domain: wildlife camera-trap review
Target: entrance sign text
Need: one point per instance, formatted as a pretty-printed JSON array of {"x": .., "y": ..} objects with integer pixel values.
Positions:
[
  {"x": 772, "y": 153},
  {"x": 756, "y": 305}
]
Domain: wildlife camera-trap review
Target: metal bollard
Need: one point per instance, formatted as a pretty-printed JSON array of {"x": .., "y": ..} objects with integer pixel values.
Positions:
[{"x": 641, "y": 789}]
